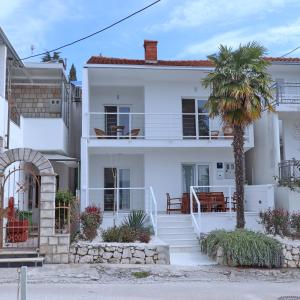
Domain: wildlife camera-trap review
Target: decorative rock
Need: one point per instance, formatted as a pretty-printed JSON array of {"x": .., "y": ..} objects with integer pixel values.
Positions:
[
  {"x": 117, "y": 255},
  {"x": 149, "y": 252},
  {"x": 125, "y": 261},
  {"x": 295, "y": 250},
  {"x": 107, "y": 255},
  {"x": 137, "y": 261},
  {"x": 139, "y": 254},
  {"x": 149, "y": 260},
  {"x": 126, "y": 253}
]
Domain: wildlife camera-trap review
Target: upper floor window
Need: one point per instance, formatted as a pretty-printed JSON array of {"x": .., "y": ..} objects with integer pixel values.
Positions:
[{"x": 195, "y": 119}]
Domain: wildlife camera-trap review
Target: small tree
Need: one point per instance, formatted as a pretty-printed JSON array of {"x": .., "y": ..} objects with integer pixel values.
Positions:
[
  {"x": 72, "y": 73},
  {"x": 240, "y": 91},
  {"x": 46, "y": 57}
]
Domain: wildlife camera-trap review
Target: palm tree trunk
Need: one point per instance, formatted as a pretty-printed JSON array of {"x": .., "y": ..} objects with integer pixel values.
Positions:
[{"x": 238, "y": 149}]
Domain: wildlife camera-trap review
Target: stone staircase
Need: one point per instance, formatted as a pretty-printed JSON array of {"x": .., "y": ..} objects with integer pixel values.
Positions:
[
  {"x": 177, "y": 230},
  {"x": 16, "y": 259}
]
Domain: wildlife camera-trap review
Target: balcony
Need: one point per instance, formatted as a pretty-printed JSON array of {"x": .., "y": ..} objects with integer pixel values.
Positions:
[
  {"x": 187, "y": 129},
  {"x": 289, "y": 173},
  {"x": 287, "y": 93}
]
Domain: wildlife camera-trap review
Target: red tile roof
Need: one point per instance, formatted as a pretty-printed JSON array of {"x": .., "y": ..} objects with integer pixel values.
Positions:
[{"x": 180, "y": 63}]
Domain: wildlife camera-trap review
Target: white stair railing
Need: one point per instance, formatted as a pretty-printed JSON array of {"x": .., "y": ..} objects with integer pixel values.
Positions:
[
  {"x": 196, "y": 222},
  {"x": 153, "y": 210}
]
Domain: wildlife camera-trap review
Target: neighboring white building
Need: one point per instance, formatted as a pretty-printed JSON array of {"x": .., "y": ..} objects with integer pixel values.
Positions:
[
  {"x": 145, "y": 133},
  {"x": 42, "y": 109},
  {"x": 277, "y": 136}
]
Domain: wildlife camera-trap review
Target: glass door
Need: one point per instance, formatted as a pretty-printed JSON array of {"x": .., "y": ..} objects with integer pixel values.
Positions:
[
  {"x": 124, "y": 192},
  {"x": 109, "y": 185},
  {"x": 203, "y": 120},
  {"x": 111, "y": 120},
  {"x": 188, "y": 176},
  {"x": 123, "y": 121},
  {"x": 188, "y": 119},
  {"x": 203, "y": 177}
]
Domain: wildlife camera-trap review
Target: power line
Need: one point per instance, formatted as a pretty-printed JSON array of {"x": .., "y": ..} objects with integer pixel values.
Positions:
[
  {"x": 94, "y": 33},
  {"x": 286, "y": 54}
]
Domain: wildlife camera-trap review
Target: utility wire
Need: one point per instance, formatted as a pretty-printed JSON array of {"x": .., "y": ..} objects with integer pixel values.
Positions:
[
  {"x": 94, "y": 33},
  {"x": 286, "y": 54}
]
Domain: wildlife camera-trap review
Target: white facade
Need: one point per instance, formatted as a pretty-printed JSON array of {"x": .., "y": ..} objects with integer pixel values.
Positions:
[{"x": 144, "y": 128}]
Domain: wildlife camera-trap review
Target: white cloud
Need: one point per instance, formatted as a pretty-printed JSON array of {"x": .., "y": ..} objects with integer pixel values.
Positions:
[
  {"x": 193, "y": 13},
  {"x": 282, "y": 37},
  {"x": 27, "y": 22}
]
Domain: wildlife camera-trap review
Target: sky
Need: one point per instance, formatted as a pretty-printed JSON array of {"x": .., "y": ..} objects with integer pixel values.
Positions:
[{"x": 185, "y": 29}]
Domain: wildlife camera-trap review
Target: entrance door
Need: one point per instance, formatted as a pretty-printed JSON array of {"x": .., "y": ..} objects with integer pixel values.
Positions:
[
  {"x": 195, "y": 175},
  {"x": 116, "y": 184},
  {"x": 203, "y": 177}
]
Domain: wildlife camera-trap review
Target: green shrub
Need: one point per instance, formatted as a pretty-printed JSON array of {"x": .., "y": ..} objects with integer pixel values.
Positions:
[
  {"x": 243, "y": 248},
  {"x": 141, "y": 274},
  {"x": 63, "y": 198},
  {"x": 121, "y": 234},
  {"x": 91, "y": 219},
  {"x": 276, "y": 221},
  {"x": 136, "y": 220}
]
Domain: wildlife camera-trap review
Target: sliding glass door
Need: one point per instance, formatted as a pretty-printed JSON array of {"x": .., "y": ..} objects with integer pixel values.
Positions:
[
  {"x": 117, "y": 120},
  {"x": 116, "y": 184},
  {"x": 195, "y": 120},
  {"x": 195, "y": 175}
]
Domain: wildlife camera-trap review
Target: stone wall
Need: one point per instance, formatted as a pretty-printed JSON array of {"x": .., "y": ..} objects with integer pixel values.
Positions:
[
  {"x": 37, "y": 101},
  {"x": 115, "y": 253},
  {"x": 291, "y": 252}
]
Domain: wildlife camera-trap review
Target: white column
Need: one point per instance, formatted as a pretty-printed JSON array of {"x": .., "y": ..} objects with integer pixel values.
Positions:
[
  {"x": 85, "y": 104},
  {"x": 84, "y": 175},
  {"x": 3, "y": 55},
  {"x": 276, "y": 142}
]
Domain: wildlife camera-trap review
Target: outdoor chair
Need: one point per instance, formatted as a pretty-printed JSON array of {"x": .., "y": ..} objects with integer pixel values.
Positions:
[
  {"x": 133, "y": 133},
  {"x": 171, "y": 202},
  {"x": 228, "y": 131},
  {"x": 214, "y": 134},
  {"x": 100, "y": 134}
]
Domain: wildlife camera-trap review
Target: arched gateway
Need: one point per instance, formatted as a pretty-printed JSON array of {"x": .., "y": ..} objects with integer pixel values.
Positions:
[{"x": 27, "y": 205}]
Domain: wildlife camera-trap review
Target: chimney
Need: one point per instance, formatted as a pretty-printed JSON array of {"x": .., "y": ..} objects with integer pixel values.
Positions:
[{"x": 150, "y": 51}]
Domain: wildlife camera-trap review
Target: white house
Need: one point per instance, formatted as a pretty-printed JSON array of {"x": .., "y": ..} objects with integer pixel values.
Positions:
[
  {"x": 276, "y": 155},
  {"x": 146, "y": 133}
]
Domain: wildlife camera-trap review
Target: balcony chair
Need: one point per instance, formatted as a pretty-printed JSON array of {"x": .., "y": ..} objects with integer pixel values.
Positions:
[
  {"x": 16, "y": 230},
  {"x": 228, "y": 131},
  {"x": 214, "y": 134},
  {"x": 100, "y": 134},
  {"x": 177, "y": 202},
  {"x": 133, "y": 133}
]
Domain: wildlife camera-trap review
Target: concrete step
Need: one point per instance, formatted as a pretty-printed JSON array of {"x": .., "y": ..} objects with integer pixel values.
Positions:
[
  {"x": 174, "y": 216},
  {"x": 170, "y": 230},
  {"x": 177, "y": 235},
  {"x": 174, "y": 223},
  {"x": 18, "y": 254},
  {"x": 21, "y": 261},
  {"x": 183, "y": 241},
  {"x": 184, "y": 249}
]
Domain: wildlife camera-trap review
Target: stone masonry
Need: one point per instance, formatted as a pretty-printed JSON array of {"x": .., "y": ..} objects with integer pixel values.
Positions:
[
  {"x": 36, "y": 101},
  {"x": 55, "y": 247},
  {"x": 119, "y": 253}
]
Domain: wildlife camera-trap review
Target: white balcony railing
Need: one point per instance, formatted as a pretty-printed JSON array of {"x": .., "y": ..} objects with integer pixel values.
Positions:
[
  {"x": 157, "y": 126},
  {"x": 123, "y": 200}
]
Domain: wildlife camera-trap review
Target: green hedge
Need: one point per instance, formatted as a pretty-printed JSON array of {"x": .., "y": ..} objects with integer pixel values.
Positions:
[{"x": 243, "y": 248}]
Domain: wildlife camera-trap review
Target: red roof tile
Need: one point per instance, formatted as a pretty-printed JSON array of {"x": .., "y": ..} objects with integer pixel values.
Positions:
[{"x": 180, "y": 63}]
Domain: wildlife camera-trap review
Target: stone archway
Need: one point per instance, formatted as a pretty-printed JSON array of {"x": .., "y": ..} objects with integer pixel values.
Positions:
[{"x": 54, "y": 247}]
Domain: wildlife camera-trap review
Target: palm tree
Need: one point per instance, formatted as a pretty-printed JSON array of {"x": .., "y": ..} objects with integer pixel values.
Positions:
[{"x": 240, "y": 92}]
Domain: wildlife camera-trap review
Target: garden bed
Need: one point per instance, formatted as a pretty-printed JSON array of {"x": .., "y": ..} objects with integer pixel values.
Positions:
[{"x": 119, "y": 253}]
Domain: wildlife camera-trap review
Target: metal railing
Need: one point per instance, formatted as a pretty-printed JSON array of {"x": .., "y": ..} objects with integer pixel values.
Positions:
[
  {"x": 124, "y": 200},
  {"x": 289, "y": 173},
  {"x": 62, "y": 218},
  {"x": 196, "y": 222},
  {"x": 153, "y": 210},
  {"x": 228, "y": 205},
  {"x": 157, "y": 126},
  {"x": 287, "y": 92}
]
